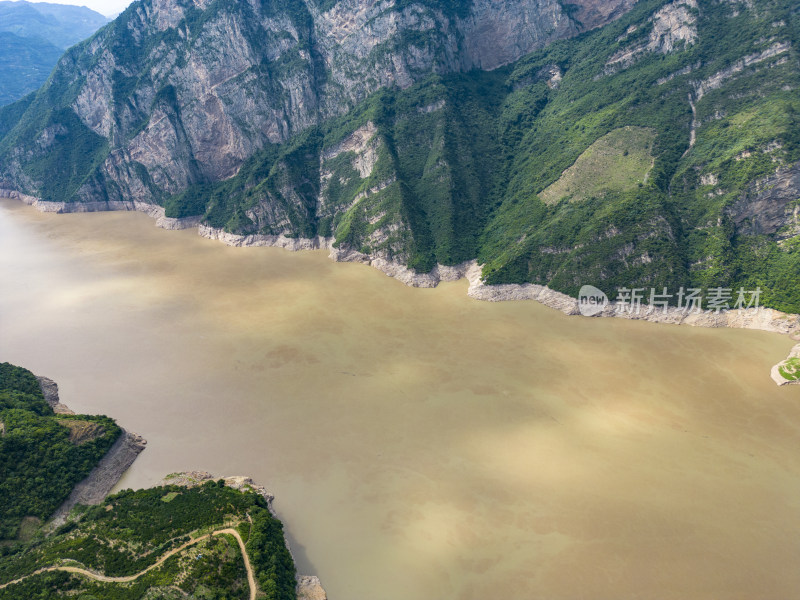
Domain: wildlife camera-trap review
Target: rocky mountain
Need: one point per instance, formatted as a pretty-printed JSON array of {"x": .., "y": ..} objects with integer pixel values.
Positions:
[
  {"x": 33, "y": 36},
  {"x": 560, "y": 144}
]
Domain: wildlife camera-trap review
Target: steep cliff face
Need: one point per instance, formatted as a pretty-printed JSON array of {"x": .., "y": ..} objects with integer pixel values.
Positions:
[
  {"x": 660, "y": 150},
  {"x": 181, "y": 92},
  {"x": 770, "y": 206}
]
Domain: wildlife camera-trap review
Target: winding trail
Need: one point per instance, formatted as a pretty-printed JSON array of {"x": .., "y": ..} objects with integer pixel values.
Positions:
[
  {"x": 128, "y": 578},
  {"x": 251, "y": 578}
]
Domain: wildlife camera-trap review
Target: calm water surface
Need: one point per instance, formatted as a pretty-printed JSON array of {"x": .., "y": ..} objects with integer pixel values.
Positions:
[{"x": 421, "y": 445}]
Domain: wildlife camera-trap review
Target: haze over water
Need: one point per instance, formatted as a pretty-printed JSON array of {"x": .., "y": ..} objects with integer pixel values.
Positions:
[{"x": 421, "y": 445}]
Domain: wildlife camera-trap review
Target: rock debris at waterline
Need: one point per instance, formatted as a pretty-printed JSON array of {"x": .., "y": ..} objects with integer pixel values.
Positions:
[
  {"x": 94, "y": 488},
  {"x": 764, "y": 319}
]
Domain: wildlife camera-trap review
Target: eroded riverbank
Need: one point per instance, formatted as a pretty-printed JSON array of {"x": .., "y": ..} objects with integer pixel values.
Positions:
[
  {"x": 765, "y": 319},
  {"x": 421, "y": 444}
]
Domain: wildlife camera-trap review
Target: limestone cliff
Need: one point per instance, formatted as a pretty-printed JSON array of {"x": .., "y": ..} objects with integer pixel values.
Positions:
[
  {"x": 180, "y": 92},
  {"x": 434, "y": 132}
]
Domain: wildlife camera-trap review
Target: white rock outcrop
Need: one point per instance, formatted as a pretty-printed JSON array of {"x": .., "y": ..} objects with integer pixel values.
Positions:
[
  {"x": 784, "y": 365},
  {"x": 765, "y": 319}
]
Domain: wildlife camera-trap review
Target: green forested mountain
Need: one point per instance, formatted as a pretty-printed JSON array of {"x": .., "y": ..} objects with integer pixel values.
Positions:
[
  {"x": 170, "y": 541},
  {"x": 661, "y": 148},
  {"x": 131, "y": 531},
  {"x": 24, "y": 65},
  {"x": 42, "y": 455},
  {"x": 33, "y": 36}
]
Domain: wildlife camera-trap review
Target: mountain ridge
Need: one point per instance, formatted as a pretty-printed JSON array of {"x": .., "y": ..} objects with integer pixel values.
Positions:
[
  {"x": 24, "y": 65},
  {"x": 61, "y": 25},
  {"x": 33, "y": 36}
]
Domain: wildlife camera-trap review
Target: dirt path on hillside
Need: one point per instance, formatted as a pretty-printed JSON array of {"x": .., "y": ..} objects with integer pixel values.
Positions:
[{"x": 128, "y": 578}]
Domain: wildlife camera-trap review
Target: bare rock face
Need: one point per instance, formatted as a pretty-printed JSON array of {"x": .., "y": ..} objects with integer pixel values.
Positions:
[
  {"x": 770, "y": 206},
  {"x": 716, "y": 80},
  {"x": 497, "y": 33},
  {"x": 99, "y": 483},
  {"x": 184, "y": 91},
  {"x": 50, "y": 391},
  {"x": 673, "y": 25},
  {"x": 595, "y": 13},
  {"x": 310, "y": 588}
]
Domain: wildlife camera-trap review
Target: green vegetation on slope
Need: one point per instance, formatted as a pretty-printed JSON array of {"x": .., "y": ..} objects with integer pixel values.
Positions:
[
  {"x": 41, "y": 459},
  {"x": 131, "y": 530},
  {"x": 43, "y": 455},
  {"x": 673, "y": 231},
  {"x": 475, "y": 165},
  {"x": 790, "y": 369},
  {"x": 617, "y": 162},
  {"x": 432, "y": 176}
]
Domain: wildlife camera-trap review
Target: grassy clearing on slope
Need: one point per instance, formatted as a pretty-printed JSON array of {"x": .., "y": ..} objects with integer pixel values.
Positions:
[
  {"x": 790, "y": 370},
  {"x": 619, "y": 161}
]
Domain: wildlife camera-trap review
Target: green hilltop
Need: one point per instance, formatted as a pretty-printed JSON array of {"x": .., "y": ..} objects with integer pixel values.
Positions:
[
  {"x": 42, "y": 455},
  {"x": 169, "y": 541}
]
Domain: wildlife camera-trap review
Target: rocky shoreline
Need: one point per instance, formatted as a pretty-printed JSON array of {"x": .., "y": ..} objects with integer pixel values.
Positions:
[
  {"x": 152, "y": 210},
  {"x": 779, "y": 379},
  {"x": 99, "y": 483},
  {"x": 308, "y": 586},
  {"x": 765, "y": 319}
]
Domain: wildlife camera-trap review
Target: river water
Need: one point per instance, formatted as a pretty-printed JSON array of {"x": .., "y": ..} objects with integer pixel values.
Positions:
[{"x": 421, "y": 445}]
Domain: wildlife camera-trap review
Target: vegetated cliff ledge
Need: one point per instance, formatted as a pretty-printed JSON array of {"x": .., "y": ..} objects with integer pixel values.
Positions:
[
  {"x": 308, "y": 586},
  {"x": 765, "y": 319},
  {"x": 23, "y": 392},
  {"x": 99, "y": 483}
]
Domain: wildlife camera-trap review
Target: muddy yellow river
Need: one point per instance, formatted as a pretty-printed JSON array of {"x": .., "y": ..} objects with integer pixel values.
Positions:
[{"x": 421, "y": 445}]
